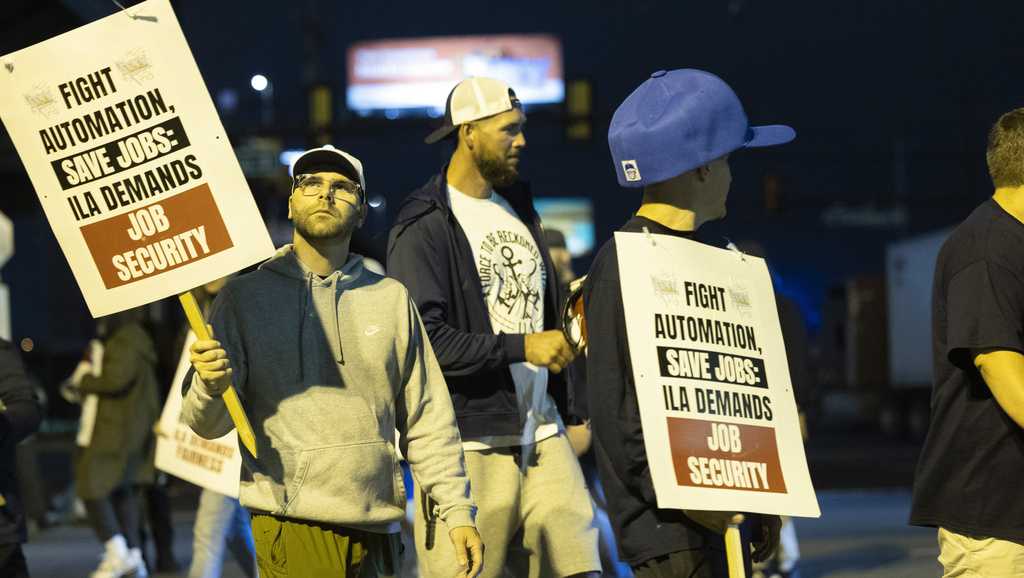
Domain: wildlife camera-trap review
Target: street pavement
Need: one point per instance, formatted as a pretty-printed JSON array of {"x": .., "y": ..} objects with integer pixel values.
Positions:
[
  {"x": 861, "y": 534},
  {"x": 864, "y": 534}
]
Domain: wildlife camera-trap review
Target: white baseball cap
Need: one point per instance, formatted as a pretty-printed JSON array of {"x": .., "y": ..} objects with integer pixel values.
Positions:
[
  {"x": 472, "y": 99},
  {"x": 329, "y": 158}
]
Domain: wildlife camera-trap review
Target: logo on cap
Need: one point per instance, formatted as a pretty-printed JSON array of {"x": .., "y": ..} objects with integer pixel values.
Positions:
[{"x": 631, "y": 171}]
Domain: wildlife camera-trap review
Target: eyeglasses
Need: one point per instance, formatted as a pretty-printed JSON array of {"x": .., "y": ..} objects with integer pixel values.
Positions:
[{"x": 310, "y": 186}]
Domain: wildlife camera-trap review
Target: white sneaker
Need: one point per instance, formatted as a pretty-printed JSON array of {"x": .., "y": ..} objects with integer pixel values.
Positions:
[
  {"x": 117, "y": 560},
  {"x": 135, "y": 555}
]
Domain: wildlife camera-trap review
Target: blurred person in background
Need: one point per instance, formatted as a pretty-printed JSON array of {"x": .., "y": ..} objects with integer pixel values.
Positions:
[
  {"x": 20, "y": 416},
  {"x": 577, "y": 427},
  {"x": 469, "y": 246},
  {"x": 966, "y": 482},
  {"x": 222, "y": 523},
  {"x": 157, "y": 517},
  {"x": 120, "y": 405},
  {"x": 671, "y": 137}
]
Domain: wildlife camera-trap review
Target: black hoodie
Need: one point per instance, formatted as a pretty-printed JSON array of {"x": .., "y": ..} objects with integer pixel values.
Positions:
[{"x": 429, "y": 253}]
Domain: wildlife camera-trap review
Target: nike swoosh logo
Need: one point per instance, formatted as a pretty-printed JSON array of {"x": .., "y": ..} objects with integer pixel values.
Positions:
[{"x": 371, "y": 330}]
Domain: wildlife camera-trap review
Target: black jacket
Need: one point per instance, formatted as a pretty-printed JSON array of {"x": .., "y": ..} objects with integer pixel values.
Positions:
[
  {"x": 19, "y": 418},
  {"x": 642, "y": 529},
  {"x": 429, "y": 253}
]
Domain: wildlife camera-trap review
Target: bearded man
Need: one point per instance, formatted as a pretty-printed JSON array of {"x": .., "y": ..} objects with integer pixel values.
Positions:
[{"x": 470, "y": 248}]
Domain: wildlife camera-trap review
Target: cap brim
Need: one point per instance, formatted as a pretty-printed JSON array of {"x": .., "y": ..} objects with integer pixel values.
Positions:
[
  {"x": 439, "y": 134},
  {"x": 769, "y": 135},
  {"x": 326, "y": 158}
]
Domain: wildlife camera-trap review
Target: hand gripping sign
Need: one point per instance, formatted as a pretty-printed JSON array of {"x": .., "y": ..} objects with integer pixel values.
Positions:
[
  {"x": 132, "y": 165},
  {"x": 212, "y": 464},
  {"x": 720, "y": 424}
]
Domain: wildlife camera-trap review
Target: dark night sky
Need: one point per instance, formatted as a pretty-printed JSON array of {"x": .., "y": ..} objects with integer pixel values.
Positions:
[{"x": 891, "y": 102}]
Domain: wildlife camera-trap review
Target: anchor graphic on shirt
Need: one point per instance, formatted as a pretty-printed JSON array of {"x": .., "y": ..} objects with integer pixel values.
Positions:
[{"x": 515, "y": 286}]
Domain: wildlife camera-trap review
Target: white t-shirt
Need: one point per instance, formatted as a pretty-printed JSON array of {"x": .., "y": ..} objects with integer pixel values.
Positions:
[{"x": 513, "y": 277}]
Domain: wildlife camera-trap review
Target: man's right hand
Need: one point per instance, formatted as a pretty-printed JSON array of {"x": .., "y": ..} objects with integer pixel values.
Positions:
[
  {"x": 548, "y": 349},
  {"x": 717, "y": 522},
  {"x": 211, "y": 364},
  {"x": 469, "y": 551}
]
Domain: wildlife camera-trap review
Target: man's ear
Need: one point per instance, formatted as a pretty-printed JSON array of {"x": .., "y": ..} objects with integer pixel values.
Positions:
[
  {"x": 467, "y": 134},
  {"x": 289, "y": 207},
  {"x": 703, "y": 172}
]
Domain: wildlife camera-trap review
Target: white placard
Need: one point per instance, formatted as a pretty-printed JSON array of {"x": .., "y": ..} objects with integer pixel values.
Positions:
[
  {"x": 131, "y": 164},
  {"x": 211, "y": 464},
  {"x": 716, "y": 403}
]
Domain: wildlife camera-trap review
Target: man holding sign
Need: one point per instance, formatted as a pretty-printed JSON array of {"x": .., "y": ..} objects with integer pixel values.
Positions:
[
  {"x": 672, "y": 136},
  {"x": 329, "y": 359}
]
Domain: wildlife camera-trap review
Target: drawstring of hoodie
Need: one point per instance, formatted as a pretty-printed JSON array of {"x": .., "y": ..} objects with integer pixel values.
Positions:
[
  {"x": 286, "y": 263},
  {"x": 337, "y": 322},
  {"x": 304, "y": 294}
]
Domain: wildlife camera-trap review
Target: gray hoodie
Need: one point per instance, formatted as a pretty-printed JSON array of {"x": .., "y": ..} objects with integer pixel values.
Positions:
[{"x": 327, "y": 369}]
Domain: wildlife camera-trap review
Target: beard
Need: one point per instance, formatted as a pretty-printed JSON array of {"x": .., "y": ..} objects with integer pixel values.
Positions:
[
  {"x": 312, "y": 227},
  {"x": 495, "y": 169}
]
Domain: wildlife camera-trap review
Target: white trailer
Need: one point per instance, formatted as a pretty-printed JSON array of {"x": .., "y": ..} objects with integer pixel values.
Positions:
[{"x": 910, "y": 268}]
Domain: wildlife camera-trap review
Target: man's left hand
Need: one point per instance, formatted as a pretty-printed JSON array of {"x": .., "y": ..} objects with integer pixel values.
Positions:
[
  {"x": 469, "y": 550},
  {"x": 766, "y": 544}
]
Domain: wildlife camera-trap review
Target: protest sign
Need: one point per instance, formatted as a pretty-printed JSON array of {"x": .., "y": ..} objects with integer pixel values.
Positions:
[
  {"x": 131, "y": 164},
  {"x": 720, "y": 423},
  {"x": 211, "y": 464},
  {"x": 129, "y": 159}
]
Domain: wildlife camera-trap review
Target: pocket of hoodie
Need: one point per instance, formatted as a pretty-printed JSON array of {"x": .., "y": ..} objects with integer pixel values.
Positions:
[{"x": 352, "y": 483}]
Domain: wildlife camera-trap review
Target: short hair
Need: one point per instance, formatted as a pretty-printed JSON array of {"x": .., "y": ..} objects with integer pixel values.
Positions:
[
  {"x": 1005, "y": 153},
  {"x": 554, "y": 239}
]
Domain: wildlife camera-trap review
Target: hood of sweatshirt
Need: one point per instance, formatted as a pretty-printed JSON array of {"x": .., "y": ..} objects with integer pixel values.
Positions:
[
  {"x": 316, "y": 293},
  {"x": 433, "y": 195}
]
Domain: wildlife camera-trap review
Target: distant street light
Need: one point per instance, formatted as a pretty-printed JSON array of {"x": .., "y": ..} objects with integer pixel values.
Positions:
[
  {"x": 259, "y": 82},
  {"x": 265, "y": 88}
]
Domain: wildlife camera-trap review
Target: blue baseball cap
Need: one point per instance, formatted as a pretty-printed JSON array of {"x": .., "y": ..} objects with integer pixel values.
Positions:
[{"x": 679, "y": 120}]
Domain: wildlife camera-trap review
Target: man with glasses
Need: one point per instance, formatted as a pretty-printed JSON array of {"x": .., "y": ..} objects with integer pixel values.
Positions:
[{"x": 328, "y": 360}]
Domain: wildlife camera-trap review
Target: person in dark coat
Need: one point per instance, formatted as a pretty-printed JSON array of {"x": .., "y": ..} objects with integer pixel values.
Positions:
[
  {"x": 470, "y": 248},
  {"x": 20, "y": 415},
  {"x": 120, "y": 406}
]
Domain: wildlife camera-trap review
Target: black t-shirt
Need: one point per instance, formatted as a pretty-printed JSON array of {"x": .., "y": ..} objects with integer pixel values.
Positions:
[
  {"x": 643, "y": 531},
  {"x": 968, "y": 475}
]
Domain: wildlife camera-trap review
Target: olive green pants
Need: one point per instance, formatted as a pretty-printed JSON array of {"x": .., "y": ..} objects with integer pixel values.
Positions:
[{"x": 287, "y": 548}]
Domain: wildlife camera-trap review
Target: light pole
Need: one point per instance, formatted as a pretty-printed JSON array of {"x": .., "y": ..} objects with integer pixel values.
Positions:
[{"x": 265, "y": 88}]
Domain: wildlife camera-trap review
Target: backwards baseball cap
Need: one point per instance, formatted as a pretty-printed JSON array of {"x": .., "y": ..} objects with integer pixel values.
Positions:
[
  {"x": 328, "y": 159},
  {"x": 472, "y": 99},
  {"x": 677, "y": 121}
]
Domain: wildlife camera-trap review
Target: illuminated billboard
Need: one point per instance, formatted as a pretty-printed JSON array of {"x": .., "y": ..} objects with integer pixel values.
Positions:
[{"x": 413, "y": 76}]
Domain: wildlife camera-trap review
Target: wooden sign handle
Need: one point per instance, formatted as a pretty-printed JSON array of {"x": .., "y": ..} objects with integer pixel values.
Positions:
[
  {"x": 734, "y": 552},
  {"x": 230, "y": 397}
]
